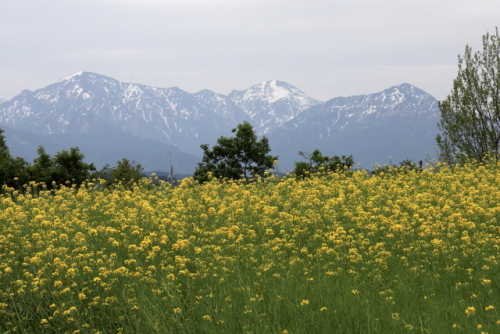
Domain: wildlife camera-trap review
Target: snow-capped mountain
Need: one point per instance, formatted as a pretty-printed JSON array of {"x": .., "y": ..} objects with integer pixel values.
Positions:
[
  {"x": 266, "y": 106},
  {"x": 271, "y": 104},
  {"x": 87, "y": 102},
  {"x": 399, "y": 122},
  {"x": 2, "y": 101}
]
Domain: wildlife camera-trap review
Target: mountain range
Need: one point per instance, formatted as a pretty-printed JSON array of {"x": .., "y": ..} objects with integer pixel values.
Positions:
[
  {"x": 109, "y": 119},
  {"x": 399, "y": 122}
]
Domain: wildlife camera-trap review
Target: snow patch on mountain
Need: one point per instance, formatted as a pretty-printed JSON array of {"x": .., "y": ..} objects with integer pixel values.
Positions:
[
  {"x": 77, "y": 74},
  {"x": 270, "y": 104},
  {"x": 268, "y": 91},
  {"x": 404, "y": 99}
]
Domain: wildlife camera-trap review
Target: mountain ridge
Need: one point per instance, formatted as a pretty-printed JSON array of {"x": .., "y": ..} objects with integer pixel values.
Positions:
[
  {"x": 402, "y": 114},
  {"x": 90, "y": 103},
  {"x": 87, "y": 101}
]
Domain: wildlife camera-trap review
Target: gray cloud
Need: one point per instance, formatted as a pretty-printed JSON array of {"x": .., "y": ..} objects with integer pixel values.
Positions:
[{"x": 325, "y": 48}]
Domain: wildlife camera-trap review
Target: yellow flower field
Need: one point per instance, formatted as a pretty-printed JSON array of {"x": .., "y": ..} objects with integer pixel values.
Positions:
[{"x": 345, "y": 253}]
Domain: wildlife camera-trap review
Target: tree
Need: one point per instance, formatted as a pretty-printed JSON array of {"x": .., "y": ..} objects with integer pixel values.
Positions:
[
  {"x": 65, "y": 166},
  {"x": 43, "y": 168},
  {"x": 317, "y": 162},
  {"x": 470, "y": 116},
  {"x": 237, "y": 157},
  {"x": 125, "y": 171},
  {"x": 5, "y": 160},
  {"x": 69, "y": 166},
  {"x": 13, "y": 171}
]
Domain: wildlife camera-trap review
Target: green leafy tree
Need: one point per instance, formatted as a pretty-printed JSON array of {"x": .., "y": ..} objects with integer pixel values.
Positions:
[
  {"x": 237, "y": 157},
  {"x": 19, "y": 172},
  {"x": 69, "y": 166},
  {"x": 318, "y": 163},
  {"x": 65, "y": 166},
  {"x": 42, "y": 169},
  {"x": 13, "y": 171},
  {"x": 125, "y": 172},
  {"x": 470, "y": 116},
  {"x": 5, "y": 160}
]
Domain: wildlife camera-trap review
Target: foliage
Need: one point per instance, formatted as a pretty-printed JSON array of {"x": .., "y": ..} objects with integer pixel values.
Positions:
[
  {"x": 237, "y": 157},
  {"x": 317, "y": 163},
  {"x": 404, "y": 167},
  {"x": 470, "y": 116},
  {"x": 343, "y": 254},
  {"x": 4, "y": 157},
  {"x": 66, "y": 167},
  {"x": 69, "y": 166},
  {"x": 124, "y": 172},
  {"x": 13, "y": 171},
  {"x": 41, "y": 171}
]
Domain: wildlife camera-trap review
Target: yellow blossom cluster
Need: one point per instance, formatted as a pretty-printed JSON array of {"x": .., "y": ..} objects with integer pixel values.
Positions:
[{"x": 346, "y": 252}]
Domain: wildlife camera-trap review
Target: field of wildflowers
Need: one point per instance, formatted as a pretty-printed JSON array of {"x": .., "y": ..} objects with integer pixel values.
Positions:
[{"x": 346, "y": 253}]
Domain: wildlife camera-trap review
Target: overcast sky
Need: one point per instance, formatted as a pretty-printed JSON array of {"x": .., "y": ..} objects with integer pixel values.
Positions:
[{"x": 326, "y": 48}]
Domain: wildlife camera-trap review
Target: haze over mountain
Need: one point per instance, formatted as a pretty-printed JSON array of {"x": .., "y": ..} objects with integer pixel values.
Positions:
[
  {"x": 86, "y": 108},
  {"x": 87, "y": 102},
  {"x": 399, "y": 122}
]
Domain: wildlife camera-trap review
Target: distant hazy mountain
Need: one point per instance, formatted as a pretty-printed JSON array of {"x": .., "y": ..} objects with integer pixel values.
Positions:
[
  {"x": 399, "y": 122},
  {"x": 92, "y": 103},
  {"x": 109, "y": 120},
  {"x": 88, "y": 103},
  {"x": 271, "y": 104},
  {"x": 266, "y": 106},
  {"x": 104, "y": 147},
  {"x": 2, "y": 101}
]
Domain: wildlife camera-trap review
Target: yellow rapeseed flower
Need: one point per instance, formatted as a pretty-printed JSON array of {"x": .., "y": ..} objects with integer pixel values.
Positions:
[{"x": 470, "y": 311}]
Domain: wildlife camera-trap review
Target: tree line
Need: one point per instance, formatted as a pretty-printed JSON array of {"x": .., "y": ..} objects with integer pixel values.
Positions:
[
  {"x": 65, "y": 167},
  {"x": 469, "y": 124}
]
